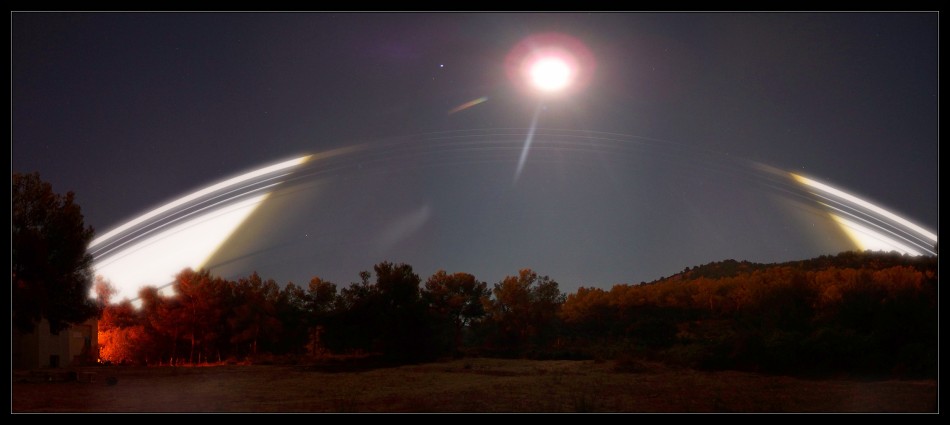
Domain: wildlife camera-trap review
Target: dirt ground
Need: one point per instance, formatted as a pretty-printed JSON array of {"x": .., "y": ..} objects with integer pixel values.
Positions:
[{"x": 460, "y": 386}]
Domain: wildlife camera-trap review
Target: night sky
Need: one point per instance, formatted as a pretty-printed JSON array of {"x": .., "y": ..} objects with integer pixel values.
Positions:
[{"x": 653, "y": 162}]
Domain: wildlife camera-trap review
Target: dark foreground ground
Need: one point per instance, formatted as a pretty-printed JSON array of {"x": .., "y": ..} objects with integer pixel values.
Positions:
[{"x": 465, "y": 385}]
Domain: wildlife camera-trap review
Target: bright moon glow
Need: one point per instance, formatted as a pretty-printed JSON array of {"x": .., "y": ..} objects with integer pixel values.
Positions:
[
  {"x": 550, "y": 63},
  {"x": 550, "y": 74}
]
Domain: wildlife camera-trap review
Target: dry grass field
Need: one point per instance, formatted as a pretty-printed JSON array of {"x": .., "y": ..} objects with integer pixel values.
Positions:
[{"x": 464, "y": 386}]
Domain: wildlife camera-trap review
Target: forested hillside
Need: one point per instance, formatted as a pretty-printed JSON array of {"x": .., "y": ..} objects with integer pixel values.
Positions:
[{"x": 853, "y": 313}]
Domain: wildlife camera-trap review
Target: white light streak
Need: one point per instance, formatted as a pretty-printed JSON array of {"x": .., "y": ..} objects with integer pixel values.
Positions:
[
  {"x": 197, "y": 195},
  {"x": 156, "y": 260},
  {"x": 858, "y": 201},
  {"x": 872, "y": 236},
  {"x": 185, "y": 233},
  {"x": 869, "y": 239},
  {"x": 527, "y": 143}
]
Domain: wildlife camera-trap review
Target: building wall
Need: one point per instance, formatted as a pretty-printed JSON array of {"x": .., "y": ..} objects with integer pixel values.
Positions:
[
  {"x": 71, "y": 347},
  {"x": 25, "y": 350}
]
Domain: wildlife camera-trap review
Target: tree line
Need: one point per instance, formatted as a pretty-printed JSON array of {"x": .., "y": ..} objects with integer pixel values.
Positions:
[
  {"x": 395, "y": 315},
  {"x": 863, "y": 313}
]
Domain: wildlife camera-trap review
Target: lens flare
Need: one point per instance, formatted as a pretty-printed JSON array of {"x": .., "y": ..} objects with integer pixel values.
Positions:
[
  {"x": 882, "y": 230},
  {"x": 154, "y": 261},
  {"x": 151, "y": 249},
  {"x": 468, "y": 104},
  {"x": 527, "y": 143},
  {"x": 197, "y": 195}
]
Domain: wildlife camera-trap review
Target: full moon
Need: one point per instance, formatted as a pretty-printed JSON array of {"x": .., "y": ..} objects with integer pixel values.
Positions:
[
  {"x": 550, "y": 64},
  {"x": 550, "y": 74}
]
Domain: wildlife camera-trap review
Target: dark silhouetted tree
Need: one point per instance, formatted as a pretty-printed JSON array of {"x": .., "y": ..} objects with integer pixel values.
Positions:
[
  {"x": 291, "y": 311},
  {"x": 321, "y": 298},
  {"x": 455, "y": 301},
  {"x": 52, "y": 271},
  {"x": 404, "y": 329},
  {"x": 253, "y": 317},
  {"x": 353, "y": 324},
  {"x": 386, "y": 318}
]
